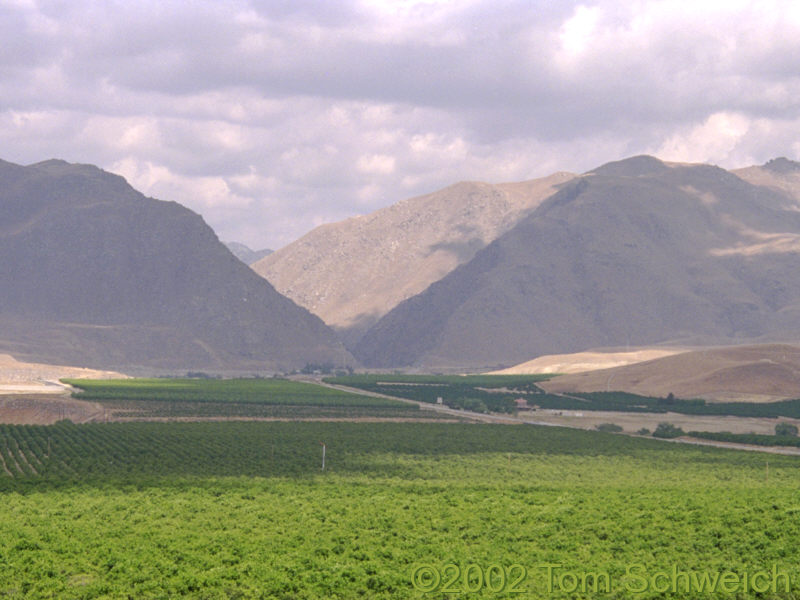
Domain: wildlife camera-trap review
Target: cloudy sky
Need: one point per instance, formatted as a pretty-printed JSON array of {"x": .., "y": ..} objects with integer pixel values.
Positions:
[{"x": 271, "y": 117}]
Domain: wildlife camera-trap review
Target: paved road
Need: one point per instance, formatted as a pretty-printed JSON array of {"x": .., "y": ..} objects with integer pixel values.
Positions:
[{"x": 511, "y": 420}]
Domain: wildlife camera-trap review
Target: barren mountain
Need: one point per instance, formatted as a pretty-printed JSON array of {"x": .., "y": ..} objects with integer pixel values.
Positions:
[
  {"x": 637, "y": 252},
  {"x": 352, "y": 273},
  {"x": 779, "y": 174},
  {"x": 95, "y": 274},
  {"x": 758, "y": 373}
]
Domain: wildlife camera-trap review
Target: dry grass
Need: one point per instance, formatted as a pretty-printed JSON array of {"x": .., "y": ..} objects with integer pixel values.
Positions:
[
  {"x": 755, "y": 373},
  {"x": 18, "y": 377},
  {"x": 580, "y": 362}
]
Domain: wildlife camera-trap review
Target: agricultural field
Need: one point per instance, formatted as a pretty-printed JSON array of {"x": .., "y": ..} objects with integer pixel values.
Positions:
[
  {"x": 478, "y": 393},
  {"x": 496, "y": 393},
  {"x": 237, "y": 391},
  {"x": 401, "y": 510},
  {"x": 176, "y": 399}
]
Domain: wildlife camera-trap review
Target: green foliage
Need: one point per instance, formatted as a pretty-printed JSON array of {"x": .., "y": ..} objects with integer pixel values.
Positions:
[
  {"x": 608, "y": 427},
  {"x": 487, "y": 381},
  {"x": 486, "y": 393},
  {"x": 242, "y": 510},
  {"x": 785, "y": 429},
  {"x": 238, "y": 391},
  {"x": 498, "y": 393},
  {"x": 667, "y": 431},
  {"x": 643, "y": 431},
  {"x": 325, "y": 368},
  {"x": 753, "y": 439}
]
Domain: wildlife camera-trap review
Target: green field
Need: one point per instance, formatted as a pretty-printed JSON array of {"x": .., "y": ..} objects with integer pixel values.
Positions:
[
  {"x": 243, "y": 510},
  {"x": 479, "y": 393},
  {"x": 496, "y": 393},
  {"x": 234, "y": 391},
  {"x": 142, "y": 399}
]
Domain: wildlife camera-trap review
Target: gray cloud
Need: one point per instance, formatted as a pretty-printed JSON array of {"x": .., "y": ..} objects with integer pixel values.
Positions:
[{"x": 271, "y": 117}]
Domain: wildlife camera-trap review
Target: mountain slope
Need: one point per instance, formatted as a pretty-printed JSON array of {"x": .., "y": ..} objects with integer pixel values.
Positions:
[
  {"x": 353, "y": 272},
  {"x": 766, "y": 373},
  {"x": 579, "y": 362},
  {"x": 635, "y": 252},
  {"x": 780, "y": 174},
  {"x": 95, "y": 274}
]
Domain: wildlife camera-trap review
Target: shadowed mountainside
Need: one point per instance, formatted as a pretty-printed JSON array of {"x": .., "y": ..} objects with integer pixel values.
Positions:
[
  {"x": 96, "y": 274},
  {"x": 636, "y": 252},
  {"x": 353, "y": 272}
]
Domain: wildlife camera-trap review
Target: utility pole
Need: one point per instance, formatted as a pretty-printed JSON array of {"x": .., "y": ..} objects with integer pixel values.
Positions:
[{"x": 323, "y": 455}]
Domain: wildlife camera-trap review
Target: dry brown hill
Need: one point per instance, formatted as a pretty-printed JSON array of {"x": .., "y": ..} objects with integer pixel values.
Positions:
[
  {"x": 578, "y": 362},
  {"x": 757, "y": 373},
  {"x": 779, "y": 174},
  {"x": 353, "y": 272},
  {"x": 636, "y": 252}
]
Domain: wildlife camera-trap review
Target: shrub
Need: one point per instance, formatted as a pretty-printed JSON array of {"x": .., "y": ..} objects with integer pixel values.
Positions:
[
  {"x": 473, "y": 404},
  {"x": 608, "y": 427},
  {"x": 644, "y": 431},
  {"x": 667, "y": 431},
  {"x": 786, "y": 429}
]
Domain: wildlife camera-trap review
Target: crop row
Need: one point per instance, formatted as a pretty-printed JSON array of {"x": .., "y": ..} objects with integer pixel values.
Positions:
[
  {"x": 256, "y": 391},
  {"x": 487, "y": 381},
  {"x": 142, "y": 450},
  {"x": 140, "y": 409},
  {"x": 497, "y": 393},
  {"x": 622, "y": 401},
  {"x": 479, "y": 393},
  {"x": 754, "y": 439}
]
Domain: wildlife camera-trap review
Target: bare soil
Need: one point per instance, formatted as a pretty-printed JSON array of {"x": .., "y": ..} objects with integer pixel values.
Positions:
[
  {"x": 579, "y": 362},
  {"x": 17, "y": 378},
  {"x": 31, "y": 409},
  {"x": 633, "y": 422}
]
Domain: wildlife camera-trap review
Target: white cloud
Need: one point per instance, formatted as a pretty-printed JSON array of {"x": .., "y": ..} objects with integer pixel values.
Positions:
[
  {"x": 269, "y": 117},
  {"x": 714, "y": 140},
  {"x": 376, "y": 164},
  {"x": 576, "y": 34}
]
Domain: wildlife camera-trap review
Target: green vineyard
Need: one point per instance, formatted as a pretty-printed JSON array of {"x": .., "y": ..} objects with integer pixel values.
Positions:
[
  {"x": 237, "y": 391},
  {"x": 244, "y": 510}
]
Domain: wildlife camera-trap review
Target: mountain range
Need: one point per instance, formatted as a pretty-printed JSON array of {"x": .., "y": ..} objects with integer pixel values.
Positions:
[
  {"x": 93, "y": 273},
  {"x": 636, "y": 252},
  {"x": 353, "y": 272}
]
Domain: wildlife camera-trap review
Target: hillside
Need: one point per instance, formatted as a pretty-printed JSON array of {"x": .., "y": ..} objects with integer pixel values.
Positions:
[
  {"x": 779, "y": 174},
  {"x": 578, "y": 362},
  {"x": 352, "y": 273},
  {"x": 753, "y": 373},
  {"x": 637, "y": 252},
  {"x": 95, "y": 274}
]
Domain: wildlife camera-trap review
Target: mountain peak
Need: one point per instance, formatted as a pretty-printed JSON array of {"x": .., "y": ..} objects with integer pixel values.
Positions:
[
  {"x": 94, "y": 272},
  {"x": 634, "y": 166},
  {"x": 782, "y": 165}
]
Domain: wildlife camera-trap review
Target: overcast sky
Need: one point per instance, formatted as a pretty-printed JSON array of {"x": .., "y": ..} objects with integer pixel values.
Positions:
[{"x": 272, "y": 117}]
